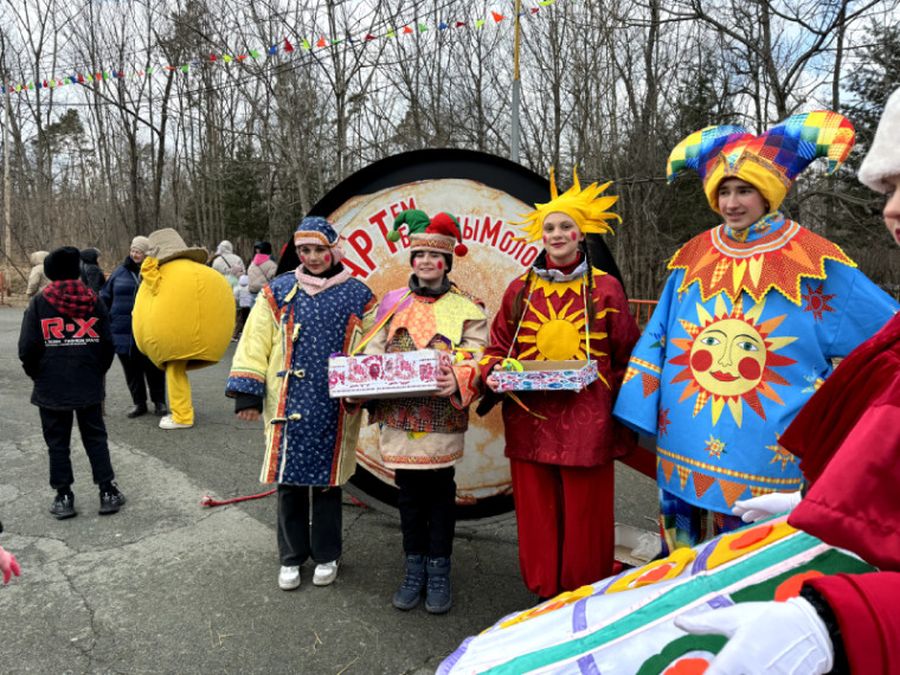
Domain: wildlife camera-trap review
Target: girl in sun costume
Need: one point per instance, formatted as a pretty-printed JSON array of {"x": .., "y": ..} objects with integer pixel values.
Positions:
[
  {"x": 746, "y": 327},
  {"x": 422, "y": 437},
  {"x": 561, "y": 444}
]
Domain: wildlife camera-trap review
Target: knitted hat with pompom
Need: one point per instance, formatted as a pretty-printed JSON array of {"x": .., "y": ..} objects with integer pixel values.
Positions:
[{"x": 441, "y": 234}]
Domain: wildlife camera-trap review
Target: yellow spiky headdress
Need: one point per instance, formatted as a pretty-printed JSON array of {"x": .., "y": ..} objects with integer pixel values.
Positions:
[{"x": 585, "y": 207}]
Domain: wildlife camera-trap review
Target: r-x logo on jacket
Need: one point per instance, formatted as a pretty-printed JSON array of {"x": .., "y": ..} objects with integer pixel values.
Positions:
[{"x": 59, "y": 332}]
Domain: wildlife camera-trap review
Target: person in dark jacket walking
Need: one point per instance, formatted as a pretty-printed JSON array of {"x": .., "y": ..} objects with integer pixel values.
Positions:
[
  {"x": 66, "y": 347},
  {"x": 119, "y": 293},
  {"x": 91, "y": 274}
]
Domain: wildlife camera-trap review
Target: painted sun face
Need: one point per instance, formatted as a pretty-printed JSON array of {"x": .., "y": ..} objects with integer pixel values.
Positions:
[{"x": 729, "y": 358}]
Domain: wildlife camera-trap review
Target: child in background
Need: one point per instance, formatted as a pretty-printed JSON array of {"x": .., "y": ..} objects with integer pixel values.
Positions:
[
  {"x": 66, "y": 347},
  {"x": 244, "y": 299}
]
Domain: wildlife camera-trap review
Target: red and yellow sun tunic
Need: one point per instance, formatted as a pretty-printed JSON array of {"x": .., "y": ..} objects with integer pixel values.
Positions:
[
  {"x": 744, "y": 333},
  {"x": 564, "y": 427}
]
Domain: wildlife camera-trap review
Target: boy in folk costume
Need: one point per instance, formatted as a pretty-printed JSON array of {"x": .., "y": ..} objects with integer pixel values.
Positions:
[
  {"x": 280, "y": 369},
  {"x": 748, "y": 322},
  {"x": 422, "y": 437},
  {"x": 561, "y": 444}
]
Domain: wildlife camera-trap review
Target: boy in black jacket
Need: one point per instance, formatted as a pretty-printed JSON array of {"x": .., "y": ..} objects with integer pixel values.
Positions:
[{"x": 66, "y": 347}]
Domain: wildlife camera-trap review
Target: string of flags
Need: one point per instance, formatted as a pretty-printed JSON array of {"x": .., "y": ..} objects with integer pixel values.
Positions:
[{"x": 283, "y": 46}]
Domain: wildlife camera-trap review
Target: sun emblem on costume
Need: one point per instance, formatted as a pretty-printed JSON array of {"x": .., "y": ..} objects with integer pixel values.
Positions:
[
  {"x": 780, "y": 454},
  {"x": 729, "y": 358},
  {"x": 817, "y": 301},
  {"x": 559, "y": 335},
  {"x": 715, "y": 446}
]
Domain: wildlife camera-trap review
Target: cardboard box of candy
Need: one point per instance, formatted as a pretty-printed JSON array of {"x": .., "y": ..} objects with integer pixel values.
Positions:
[
  {"x": 386, "y": 375},
  {"x": 547, "y": 376}
]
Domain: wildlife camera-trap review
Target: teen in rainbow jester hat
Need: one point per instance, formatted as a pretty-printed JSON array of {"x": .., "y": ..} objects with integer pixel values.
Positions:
[
  {"x": 561, "y": 444},
  {"x": 751, "y": 316},
  {"x": 421, "y": 438},
  {"x": 848, "y": 439}
]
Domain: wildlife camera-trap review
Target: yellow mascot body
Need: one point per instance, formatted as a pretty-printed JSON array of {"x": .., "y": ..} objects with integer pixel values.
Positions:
[
  {"x": 187, "y": 315},
  {"x": 183, "y": 317}
]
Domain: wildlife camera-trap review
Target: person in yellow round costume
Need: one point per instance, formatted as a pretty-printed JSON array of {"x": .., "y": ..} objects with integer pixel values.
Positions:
[{"x": 183, "y": 317}]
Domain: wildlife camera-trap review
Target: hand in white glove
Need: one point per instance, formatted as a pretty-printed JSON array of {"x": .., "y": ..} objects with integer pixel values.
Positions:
[
  {"x": 788, "y": 638},
  {"x": 757, "y": 508}
]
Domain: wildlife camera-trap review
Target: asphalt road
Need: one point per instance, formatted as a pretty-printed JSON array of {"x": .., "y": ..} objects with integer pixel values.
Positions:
[{"x": 167, "y": 586}]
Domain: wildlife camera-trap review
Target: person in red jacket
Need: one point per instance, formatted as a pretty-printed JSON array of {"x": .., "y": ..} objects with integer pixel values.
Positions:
[
  {"x": 848, "y": 439},
  {"x": 561, "y": 444}
]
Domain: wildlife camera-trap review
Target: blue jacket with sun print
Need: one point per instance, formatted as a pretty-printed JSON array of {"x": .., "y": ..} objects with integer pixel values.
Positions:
[{"x": 743, "y": 334}]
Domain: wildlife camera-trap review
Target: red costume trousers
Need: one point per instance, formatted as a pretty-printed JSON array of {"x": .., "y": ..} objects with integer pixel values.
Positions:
[{"x": 566, "y": 522}]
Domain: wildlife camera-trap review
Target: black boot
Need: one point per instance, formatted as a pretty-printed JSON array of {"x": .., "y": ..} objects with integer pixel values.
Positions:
[
  {"x": 136, "y": 410},
  {"x": 439, "y": 595},
  {"x": 410, "y": 591},
  {"x": 111, "y": 499},
  {"x": 159, "y": 409},
  {"x": 63, "y": 505}
]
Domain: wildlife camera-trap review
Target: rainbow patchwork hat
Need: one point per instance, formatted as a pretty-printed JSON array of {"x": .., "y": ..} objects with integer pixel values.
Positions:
[
  {"x": 586, "y": 207},
  {"x": 440, "y": 233},
  {"x": 771, "y": 161}
]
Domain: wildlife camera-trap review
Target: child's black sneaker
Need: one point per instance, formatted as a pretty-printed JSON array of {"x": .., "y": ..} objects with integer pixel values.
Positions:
[
  {"x": 111, "y": 500},
  {"x": 63, "y": 506}
]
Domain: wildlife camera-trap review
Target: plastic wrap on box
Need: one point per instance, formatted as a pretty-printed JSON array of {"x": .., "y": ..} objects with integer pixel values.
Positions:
[
  {"x": 547, "y": 376},
  {"x": 386, "y": 375}
]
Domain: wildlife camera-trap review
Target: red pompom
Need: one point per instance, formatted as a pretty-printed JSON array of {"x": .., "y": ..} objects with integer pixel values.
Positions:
[
  {"x": 443, "y": 223},
  {"x": 460, "y": 250}
]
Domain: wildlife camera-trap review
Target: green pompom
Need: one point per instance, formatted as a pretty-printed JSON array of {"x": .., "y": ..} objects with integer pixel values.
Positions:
[{"x": 393, "y": 235}]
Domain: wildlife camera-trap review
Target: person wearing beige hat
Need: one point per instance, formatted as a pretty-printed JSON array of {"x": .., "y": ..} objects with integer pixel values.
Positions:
[
  {"x": 183, "y": 317},
  {"x": 119, "y": 293}
]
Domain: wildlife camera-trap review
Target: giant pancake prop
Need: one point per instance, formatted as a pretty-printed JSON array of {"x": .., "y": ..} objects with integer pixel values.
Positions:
[{"x": 487, "y": 194}]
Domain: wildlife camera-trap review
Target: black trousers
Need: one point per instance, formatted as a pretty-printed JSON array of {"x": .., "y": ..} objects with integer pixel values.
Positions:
[
  {"x": 137, "y": 368},
  {"x": 427, "y": 503},
  {"x": 57, "y": 428},
  {"x": 301, "y": 537}
]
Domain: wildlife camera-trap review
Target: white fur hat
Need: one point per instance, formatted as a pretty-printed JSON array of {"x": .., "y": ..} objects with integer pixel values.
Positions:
[{"x": 883, "y": 160}]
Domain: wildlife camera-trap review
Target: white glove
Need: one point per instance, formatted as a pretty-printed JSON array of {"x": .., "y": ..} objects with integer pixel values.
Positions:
[
  {"x": 788, "y": 638},
  {"x": 757, "y": 508}
]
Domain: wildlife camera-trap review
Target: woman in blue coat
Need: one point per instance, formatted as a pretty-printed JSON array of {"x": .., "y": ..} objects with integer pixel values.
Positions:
[{"x": 118, "y": 293}]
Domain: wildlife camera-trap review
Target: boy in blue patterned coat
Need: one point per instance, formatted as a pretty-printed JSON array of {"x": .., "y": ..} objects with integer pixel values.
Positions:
[{"x": 280, "y": 369}]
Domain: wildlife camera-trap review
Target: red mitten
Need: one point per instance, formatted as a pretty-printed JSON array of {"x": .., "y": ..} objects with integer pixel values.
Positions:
[{"x": 8, "y": 565}]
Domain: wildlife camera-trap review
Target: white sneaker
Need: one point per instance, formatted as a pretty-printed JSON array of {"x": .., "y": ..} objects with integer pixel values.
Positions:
[
  {"x": 166, "y": 422},
  {"x": 325, "y": 573},
  {"x": 289, "y": 577}
]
